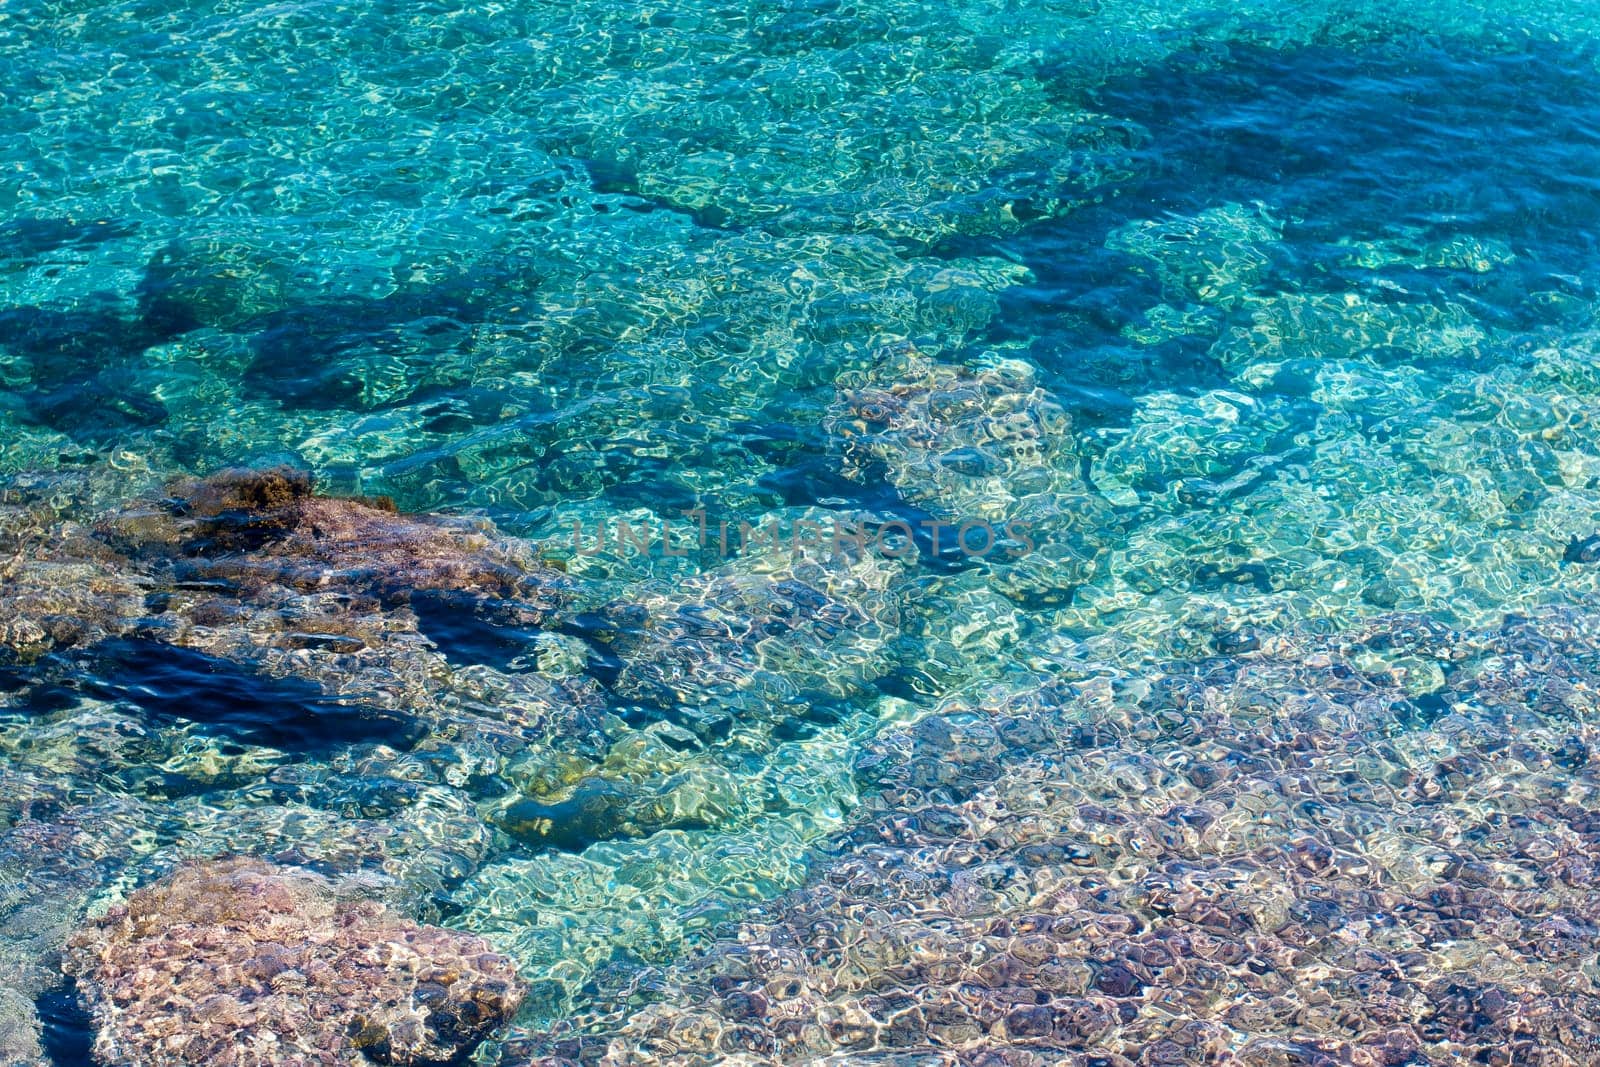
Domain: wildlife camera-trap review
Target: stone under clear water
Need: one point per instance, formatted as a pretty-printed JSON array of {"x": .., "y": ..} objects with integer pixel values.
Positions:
[{"x": 1029, "y": 532}]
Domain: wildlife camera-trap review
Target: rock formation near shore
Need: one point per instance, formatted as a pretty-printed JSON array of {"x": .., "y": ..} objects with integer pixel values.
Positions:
[{"x": 242, "y": 962}]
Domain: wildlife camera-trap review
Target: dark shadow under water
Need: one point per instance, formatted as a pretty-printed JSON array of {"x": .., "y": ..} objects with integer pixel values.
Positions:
[
  {"x": 166, "y": 682},
  {"x": 1426, "y": 137}
]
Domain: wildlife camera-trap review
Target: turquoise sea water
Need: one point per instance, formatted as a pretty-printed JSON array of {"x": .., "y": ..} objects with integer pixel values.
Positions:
[{"x": 988, "y": 532}]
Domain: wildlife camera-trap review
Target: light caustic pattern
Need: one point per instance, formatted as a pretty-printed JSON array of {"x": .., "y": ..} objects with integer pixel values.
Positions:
[{"x": 1262, "y": 336}]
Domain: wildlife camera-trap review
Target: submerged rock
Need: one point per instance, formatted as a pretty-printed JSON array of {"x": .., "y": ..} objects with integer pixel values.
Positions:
[
  {"x": 242, "y": 962},
  {"x": 965, "y": 442},
  {"x": 216, "y": 649},
  {"x": 258, "y": 537},
  {"x": 1294, "y": 855},
  {"x": 54, "y": 855},
  {"x": 1215, "y": 257},
  {"x": 19, "y": 1031},
  {"x": 259, "y": 527},
  {"x": 718, "y": 670},
  {"x": 804, "y": 616},
  {"x": 990, "y": 460},
  {"x": 253, "y": 568}
]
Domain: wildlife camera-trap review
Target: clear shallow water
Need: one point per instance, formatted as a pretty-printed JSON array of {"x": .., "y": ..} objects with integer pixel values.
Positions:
[{"x": 1272, "y": 327}]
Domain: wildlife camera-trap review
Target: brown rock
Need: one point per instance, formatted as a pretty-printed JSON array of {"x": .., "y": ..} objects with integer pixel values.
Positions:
[
  {"x": 254, "y": 529},
  {"x": 244, "y": 962}
]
